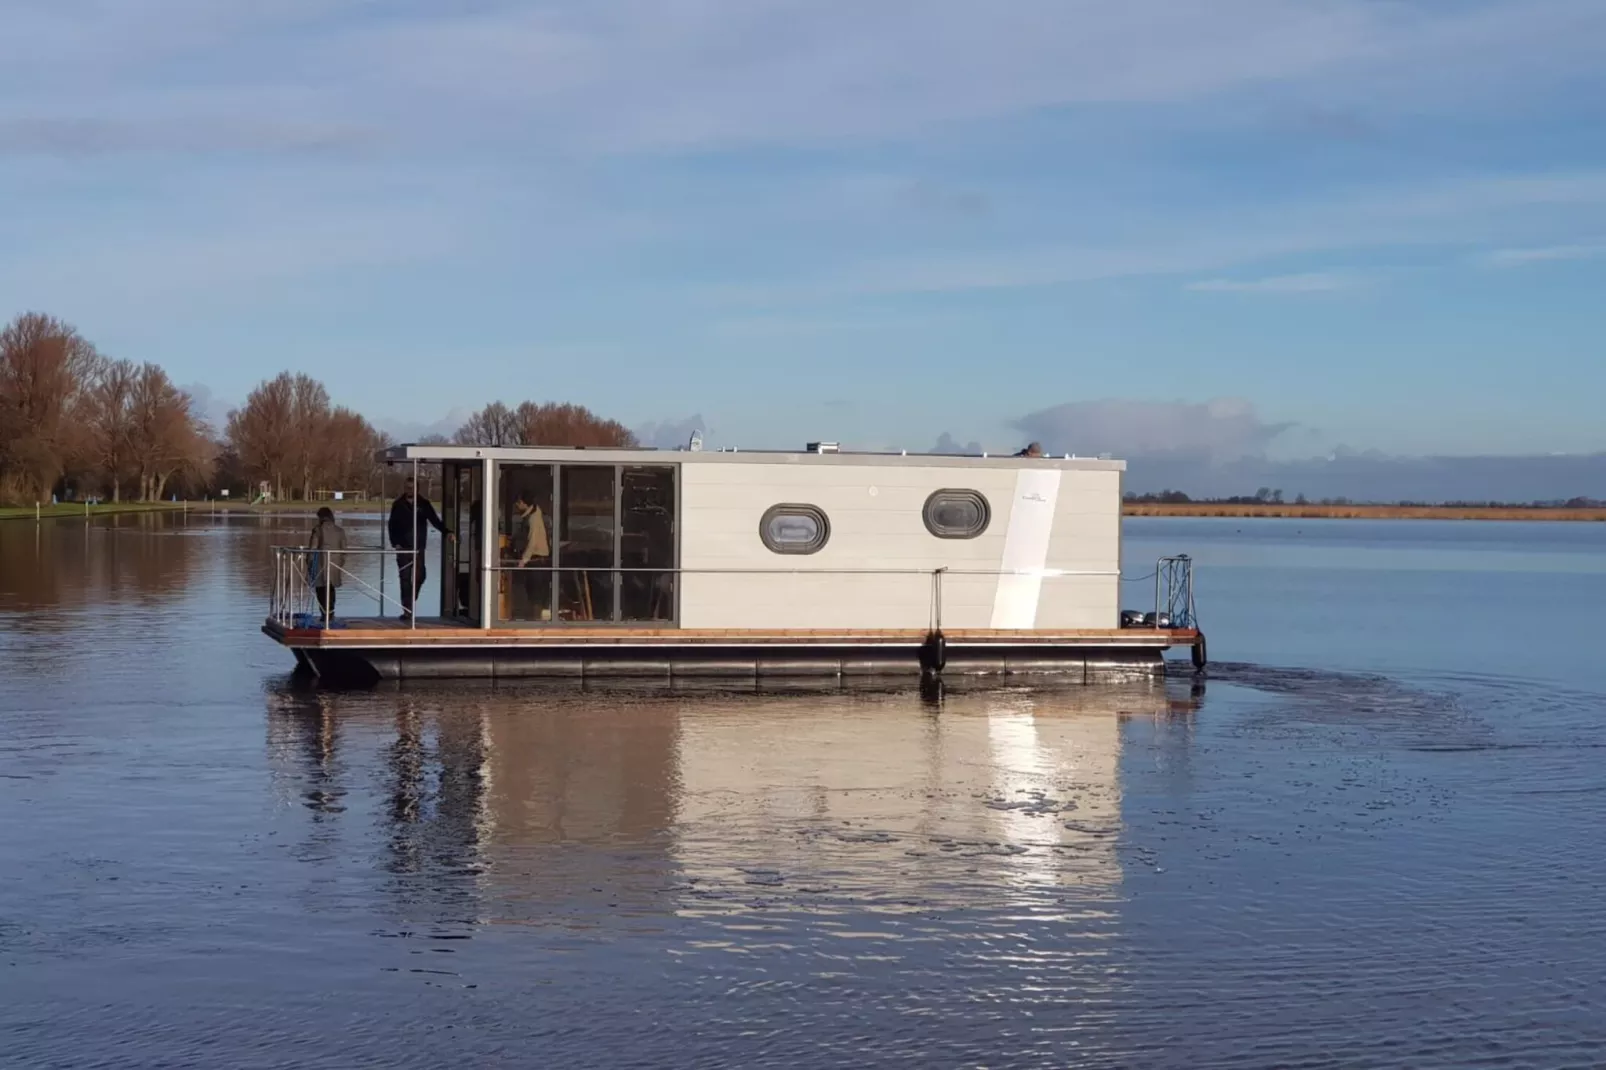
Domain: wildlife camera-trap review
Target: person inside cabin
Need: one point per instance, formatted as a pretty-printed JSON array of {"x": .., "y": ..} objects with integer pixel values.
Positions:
[
  {"x": 328, "y": 539},
  {"x": 1034, "y": 449},
  {"x": 411, "y": 541},
  {"x": 534, "y": 549}
]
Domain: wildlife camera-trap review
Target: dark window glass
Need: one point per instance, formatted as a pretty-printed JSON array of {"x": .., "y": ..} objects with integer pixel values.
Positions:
[
  {"x": 647, "y": 542},
  {"x": 585, "y": 549},
  {"x": 957, "y": 514},
  {"x": 794, "y": 529}
]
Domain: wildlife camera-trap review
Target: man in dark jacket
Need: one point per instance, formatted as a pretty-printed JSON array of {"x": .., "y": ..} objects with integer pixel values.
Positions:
[{"x": 405, "y": 539}]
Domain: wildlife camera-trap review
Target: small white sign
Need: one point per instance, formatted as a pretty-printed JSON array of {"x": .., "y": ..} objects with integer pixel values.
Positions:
[{"x": 340, "y": 495}]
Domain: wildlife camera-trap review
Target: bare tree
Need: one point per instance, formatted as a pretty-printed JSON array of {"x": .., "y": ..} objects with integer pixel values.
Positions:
[
  {"x": 167, "y": 437},
  {"x": 309, "y": 423},
  {"x": 261, "y": 432},
  {"x": 350, "y": 448},
  {"x": 109, "y": 419},
  {"x": 494, "y": 425},
  {"x": 553, "y": 424},
  {"x": 44, "y": 366}
]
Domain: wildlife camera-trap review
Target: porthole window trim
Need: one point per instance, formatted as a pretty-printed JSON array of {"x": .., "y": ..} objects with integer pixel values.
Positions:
[
  {"x": 803, "y": 509},
  {"x": 941, "y": 531}
]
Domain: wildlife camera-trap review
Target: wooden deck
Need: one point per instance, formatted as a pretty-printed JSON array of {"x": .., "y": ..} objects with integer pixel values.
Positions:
[{"x": 394, "y": 634}]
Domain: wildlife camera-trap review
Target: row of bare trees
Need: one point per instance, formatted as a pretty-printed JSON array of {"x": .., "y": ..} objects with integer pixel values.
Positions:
[
  {"x": 73, "y": 418},
  {"x": 289, "y": 435},
  {"x": 547, "y": 424},
  {"x": 70, "y": 416}
]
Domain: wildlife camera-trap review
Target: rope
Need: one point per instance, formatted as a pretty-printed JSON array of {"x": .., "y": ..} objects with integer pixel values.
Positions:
[{"x": 1139, "y": 579}]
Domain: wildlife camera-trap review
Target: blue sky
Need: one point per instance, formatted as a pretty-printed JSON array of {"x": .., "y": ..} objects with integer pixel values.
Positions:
[{"x": 1247, "y": 227}]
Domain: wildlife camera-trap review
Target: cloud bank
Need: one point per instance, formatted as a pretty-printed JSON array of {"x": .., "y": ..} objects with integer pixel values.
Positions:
[
  {"x": 672, "y": 433},
  {"x": 1212, "y": 432}
]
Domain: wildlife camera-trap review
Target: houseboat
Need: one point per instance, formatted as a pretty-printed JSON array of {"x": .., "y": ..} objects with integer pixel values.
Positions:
[{"x": 736, "y": 565}]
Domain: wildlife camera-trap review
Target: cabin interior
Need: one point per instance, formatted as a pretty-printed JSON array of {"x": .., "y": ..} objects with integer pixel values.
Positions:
[{"x": 610, "y": 529}]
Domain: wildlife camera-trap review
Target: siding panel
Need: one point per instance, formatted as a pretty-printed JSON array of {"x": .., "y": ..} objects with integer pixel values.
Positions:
[{"x": 876, "y": 523}]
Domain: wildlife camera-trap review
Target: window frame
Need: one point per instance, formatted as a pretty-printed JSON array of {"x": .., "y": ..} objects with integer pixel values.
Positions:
[
  {"x": 781, "y": 509},
  {"x": 491, "y": 515},
  {"x": 944, "y": 532}
]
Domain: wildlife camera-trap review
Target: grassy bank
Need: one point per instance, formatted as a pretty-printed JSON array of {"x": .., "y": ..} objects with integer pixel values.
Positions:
[
  {"x": 1362, "y": 512},
  {"x": 71, "y": 510}
]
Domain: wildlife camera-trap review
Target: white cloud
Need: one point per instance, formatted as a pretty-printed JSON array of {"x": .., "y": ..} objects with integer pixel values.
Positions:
[
  {"x": 1425, "y": 214},
  {"x": 1543, "y": 255},
  {"x": 1220, "y": 430},
  {"x": 672, "y": 434},
  {"x": 1275, "y": 284},
  {"x": 465, "y": 132},
  {"x": 641, "y": 74},
  {"x": 415, "y": 430},
  {"x": 211, "y": 408}
]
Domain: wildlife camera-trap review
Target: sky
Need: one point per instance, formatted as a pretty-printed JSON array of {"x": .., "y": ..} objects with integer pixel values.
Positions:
[{"x": 1244, "y": 232}]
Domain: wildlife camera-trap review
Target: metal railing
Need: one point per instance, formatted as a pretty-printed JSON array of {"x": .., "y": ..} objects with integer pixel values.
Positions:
[
  {"x": 570, "y": 593},
  {"x": 299, "y": 571},
  {"x": 1173, "y": 593},
  {"x": 573, "y": 589}
]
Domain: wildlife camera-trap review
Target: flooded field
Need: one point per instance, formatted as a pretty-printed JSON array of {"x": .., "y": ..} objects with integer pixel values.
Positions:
[{"x": 1370, "y": 838}]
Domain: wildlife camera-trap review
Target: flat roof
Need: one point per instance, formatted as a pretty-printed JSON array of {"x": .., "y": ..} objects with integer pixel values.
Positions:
[{"x": 645, "y": 455}]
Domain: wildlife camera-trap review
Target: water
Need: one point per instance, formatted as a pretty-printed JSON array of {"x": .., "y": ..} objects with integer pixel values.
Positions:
[{"x": 1370, "y": 838}]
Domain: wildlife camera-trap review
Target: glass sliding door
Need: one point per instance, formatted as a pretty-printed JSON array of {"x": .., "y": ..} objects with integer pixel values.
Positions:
[
  {"x": 460, "y": 555},
  {"x": 447, "y": 569},
  {"x": 524, "y": 522},
  {"x": 647, "y": 544},
  {"x": 588, "y": 522},
  {"x": 470, "y": 545}
]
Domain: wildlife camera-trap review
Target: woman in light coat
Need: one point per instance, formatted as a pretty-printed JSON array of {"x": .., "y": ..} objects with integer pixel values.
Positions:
[{"x": 324, "y": 568}]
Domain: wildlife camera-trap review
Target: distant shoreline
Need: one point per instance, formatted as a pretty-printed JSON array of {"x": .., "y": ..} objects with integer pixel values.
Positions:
[
  {"x": 1361, "y": 512},
  {"x": 72, "y": 510}
]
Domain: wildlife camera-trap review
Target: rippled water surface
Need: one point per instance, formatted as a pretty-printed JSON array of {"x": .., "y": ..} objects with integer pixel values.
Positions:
[{"x": 1372, "y": 837}]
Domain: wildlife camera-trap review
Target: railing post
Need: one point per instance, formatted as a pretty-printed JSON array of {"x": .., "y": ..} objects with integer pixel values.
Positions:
[
  {"x": 1159, "y": 567},
  {"x": 384, "y": 524},
  {"x": 412, "y": 573}
]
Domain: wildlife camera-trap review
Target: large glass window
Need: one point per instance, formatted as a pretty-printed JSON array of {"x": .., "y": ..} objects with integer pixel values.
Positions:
[
  {"x": 586, "y": 543},
  {"x": 587, "y": 521},
  {"x": 524, "y": 536},
  {"x": 647, "y": 544}
]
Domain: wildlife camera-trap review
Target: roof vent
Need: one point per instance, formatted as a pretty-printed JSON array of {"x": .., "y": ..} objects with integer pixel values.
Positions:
[{"x": 824, "y": 447}]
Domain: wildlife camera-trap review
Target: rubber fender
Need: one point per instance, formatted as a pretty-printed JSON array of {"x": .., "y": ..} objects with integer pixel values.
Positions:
[
  {"x": 1200, "y": 658},
  {"x": 934, "y": 652}
]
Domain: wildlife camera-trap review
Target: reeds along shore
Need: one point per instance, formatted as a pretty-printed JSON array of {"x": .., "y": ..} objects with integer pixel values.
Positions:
[{"x": 1361, "y": 512}]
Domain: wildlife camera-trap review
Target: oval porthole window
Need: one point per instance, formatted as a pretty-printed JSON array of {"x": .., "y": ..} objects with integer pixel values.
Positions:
[
  {"x": 957, "y": 514},
  {"x": 794, "y": 529}
]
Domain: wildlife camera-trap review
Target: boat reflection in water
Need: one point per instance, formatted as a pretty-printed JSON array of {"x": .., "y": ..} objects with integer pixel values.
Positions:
[{"x": 599, "y": 810}]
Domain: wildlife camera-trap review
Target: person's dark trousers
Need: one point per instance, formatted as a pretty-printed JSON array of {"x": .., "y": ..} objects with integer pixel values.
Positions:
[
  {"x": 409, "y": 583},
  {"x": 535, "y": 594},
  {"x": 326, "y": 599}
]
